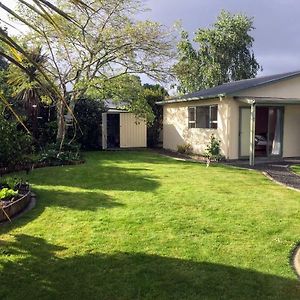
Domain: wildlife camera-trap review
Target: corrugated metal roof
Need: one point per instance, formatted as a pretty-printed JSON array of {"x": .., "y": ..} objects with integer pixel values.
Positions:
[
  {"x": 111, "y": 104},
  {"x": 231, "y": 88}
]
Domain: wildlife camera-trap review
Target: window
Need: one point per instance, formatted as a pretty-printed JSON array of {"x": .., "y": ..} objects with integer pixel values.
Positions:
[
  {"x": 192, "y": 117},
  {"x": 203, "y": 116}
]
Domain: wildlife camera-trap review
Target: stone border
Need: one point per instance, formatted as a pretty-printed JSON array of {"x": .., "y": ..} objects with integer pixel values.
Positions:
[
  {"x": 295, "y": 260},
  {"x": 266, "y": 174},
  {"x": 16, "y": 209},
  {"x": 292, "y": 171}
]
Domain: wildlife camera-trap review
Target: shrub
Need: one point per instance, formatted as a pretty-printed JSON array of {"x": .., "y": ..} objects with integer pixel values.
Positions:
[
  {"x": 7, "y": 193},
  {"x": 15, "y": 143},
  {"x": 51, "y": 154},
  {"x": 88, "y": 113},
  {"x": 10, "y": 182},
  {"x": 153, "y": 94},
  {"x": 185, "y": 149},
  {"x": 213, "y": 149}
]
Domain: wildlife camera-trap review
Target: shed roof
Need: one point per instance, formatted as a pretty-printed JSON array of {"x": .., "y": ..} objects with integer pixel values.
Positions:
[
  {"x": 232, "y": 88},
  {"x": 117, "y": 105}
]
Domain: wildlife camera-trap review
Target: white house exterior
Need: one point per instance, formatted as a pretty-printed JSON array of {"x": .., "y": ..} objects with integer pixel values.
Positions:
[{"x": 252, "y": 118}]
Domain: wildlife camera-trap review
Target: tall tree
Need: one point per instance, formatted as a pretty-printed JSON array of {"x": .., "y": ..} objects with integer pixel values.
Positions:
[
  {"x": 104, "y": 44},
  {"x": 92, "y": 46},
  {"x": 223, "y": 54}
]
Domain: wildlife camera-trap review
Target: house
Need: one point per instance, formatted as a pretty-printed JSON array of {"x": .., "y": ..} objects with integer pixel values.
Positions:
[
  {"x": 122, "y": 129},
  {"x": 253, "y": 118}
]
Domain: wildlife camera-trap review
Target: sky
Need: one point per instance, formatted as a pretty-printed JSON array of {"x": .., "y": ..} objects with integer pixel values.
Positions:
[{"x": 276, "y": 22}]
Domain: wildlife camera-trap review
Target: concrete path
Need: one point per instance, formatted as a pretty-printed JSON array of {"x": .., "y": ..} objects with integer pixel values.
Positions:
[{"x": 279, "y": 171}]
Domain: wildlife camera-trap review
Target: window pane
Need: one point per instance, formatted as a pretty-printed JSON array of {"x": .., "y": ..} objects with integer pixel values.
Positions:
[
  {"x": 192, "y": 125},
  {"x": 202, "y": 117},
  {"x": 214, "y": 113},
  {"x": 214, "y": 117},
  {"x": 191, "y": 114}
]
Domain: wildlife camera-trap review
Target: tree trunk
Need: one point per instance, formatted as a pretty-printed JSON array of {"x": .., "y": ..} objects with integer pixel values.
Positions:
[{"x": 61, "y": 128}]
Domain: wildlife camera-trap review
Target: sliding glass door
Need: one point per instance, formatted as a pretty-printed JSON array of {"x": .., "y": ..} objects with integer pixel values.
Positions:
[
  {"x": 275, "y": 130},
  {"x": 268, "y": 131}
]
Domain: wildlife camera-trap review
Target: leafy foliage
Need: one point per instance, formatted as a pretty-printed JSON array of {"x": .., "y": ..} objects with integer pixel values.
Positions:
[
  {"x": 15, "y": 143},
  {"x": 185, "y": 149},
  {"x": 213, "y": 149},
  {"x": 153, "y": 94},
  {"x": 224, "y": 54},
  {"x": 90, "y": 55},
  {"x": 53, "y": 154},
  {"x": 46, "y": 126},
  {"x": 6, "y": 193},
  {"x": 89, "y": 115},
  {"x": 9, "y": 182},
  {"x": 28, "y": 87}
]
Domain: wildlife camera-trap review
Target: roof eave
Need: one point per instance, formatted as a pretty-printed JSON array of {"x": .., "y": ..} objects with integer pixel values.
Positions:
[
  {"x": 267, "y": 100},
  {"x": 190, "y": 99}
]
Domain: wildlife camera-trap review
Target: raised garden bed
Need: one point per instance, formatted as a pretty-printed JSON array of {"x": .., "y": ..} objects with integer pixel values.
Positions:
[
  {"x": 11, "y": 208},
  {"x": 29, "y": 167}
]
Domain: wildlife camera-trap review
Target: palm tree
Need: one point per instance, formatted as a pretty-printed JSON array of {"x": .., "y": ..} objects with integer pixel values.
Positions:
[
  {"x": 26, "y": 84},
  {"x": 31, "y": 77}
]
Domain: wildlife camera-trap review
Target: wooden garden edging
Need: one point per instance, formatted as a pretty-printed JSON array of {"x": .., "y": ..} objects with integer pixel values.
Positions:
[
  {"x": 32, "y": 166},
  {"x": 12, "y": 209}
]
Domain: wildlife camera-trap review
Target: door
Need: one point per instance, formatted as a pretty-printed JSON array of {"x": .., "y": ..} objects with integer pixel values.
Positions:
[
  {"x": 133, "y": 131},
  {"x": 104, "y": 131},
  {"x": 268, "y": 131},
  {"x": 275, "y": 131},
  {"x": 113, "y": 130},
  {"x": 245, "y": 113}
]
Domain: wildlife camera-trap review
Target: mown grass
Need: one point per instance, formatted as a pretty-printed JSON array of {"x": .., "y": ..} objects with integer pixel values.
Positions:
[
  {"x": 136, "y": 225},
  {"x": 296, "y": 169}
]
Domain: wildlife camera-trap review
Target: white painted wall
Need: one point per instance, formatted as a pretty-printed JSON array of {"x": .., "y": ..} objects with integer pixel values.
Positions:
[
  {"x": 176, "y": 131},
  {"x": 291, "y": 131}
]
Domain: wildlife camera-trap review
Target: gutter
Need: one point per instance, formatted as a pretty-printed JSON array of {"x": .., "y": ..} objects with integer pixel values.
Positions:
[{"x": 190, "y": 99}]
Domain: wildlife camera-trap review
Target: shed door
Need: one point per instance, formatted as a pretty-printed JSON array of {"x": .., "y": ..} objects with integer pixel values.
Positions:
[
  {"x": 133, "y": 131},
  {"x": 245, "y": 131},
  {"x": 104, "y": 131}
]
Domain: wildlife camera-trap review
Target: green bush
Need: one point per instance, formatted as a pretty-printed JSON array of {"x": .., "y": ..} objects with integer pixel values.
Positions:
[
  {"x": 153, "y": 94},
  {"x": 53, "y": 155},
  {"x": 10, "y": 182},
  {"x": 6, "y": 193},
  {"x": 185, "y": 149},
  {"x": 15, "y": 143},
  {"x": 88, "y": 113},
  {"x": 213, "y": 149}
]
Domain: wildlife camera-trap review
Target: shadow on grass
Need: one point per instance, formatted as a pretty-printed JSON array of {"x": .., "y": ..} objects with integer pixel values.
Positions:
[
  {"x": 75, "y": 200},
  {"x": 81, "y": 201},
  {"x": 82, "y": 187},
  {"x": 102, "y": 177},
  {"x": 43, "y": 273}
]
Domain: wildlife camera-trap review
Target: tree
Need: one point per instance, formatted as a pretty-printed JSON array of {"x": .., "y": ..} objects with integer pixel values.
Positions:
[
  {"x": 224, "y": 54},
  {"x": 154, "y": 93},
  {"x": 25, "y": 85},
  {"x": 94, "y": 53},
  {"x": 89, "y": 114},
  {"x": 15, "y": 143}
]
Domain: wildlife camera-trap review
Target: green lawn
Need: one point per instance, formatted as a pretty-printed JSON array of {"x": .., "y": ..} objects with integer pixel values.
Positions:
[
  {"x": 296, "y": 169},
  {"x": 136, "y": 225}
]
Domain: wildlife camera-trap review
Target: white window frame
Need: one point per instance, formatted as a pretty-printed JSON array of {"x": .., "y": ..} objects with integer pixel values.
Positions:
[
  {"x": 210, "y": 122},
  {"x": 192, "y": 122}
]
